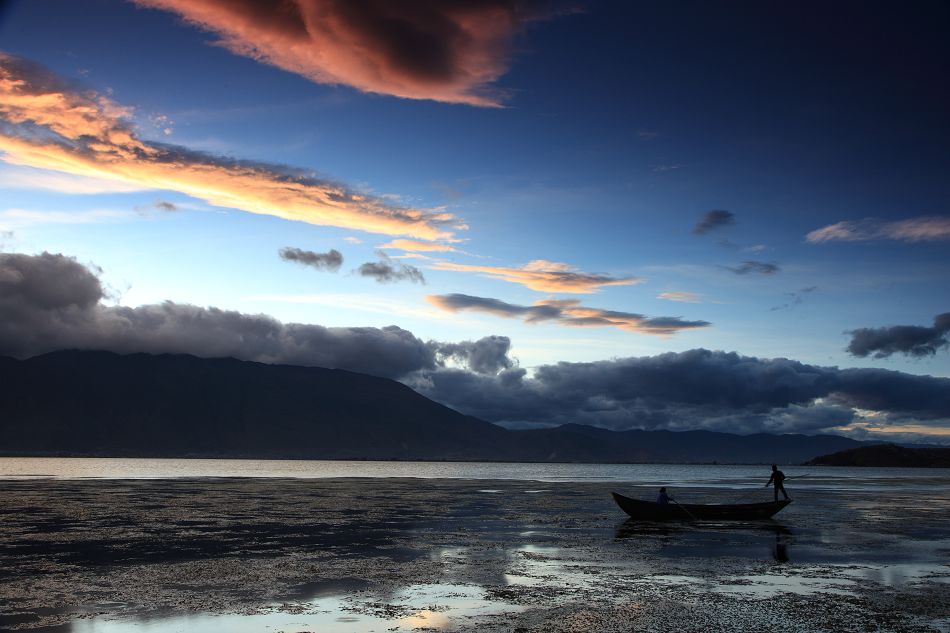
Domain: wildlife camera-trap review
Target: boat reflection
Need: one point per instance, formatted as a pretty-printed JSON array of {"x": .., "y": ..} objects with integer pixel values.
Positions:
[
  {"x": 632, "y": 528},
  {"x": 711, "y": 538}
]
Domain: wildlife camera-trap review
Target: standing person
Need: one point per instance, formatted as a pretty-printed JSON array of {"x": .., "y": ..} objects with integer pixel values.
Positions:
[{"x": 778, "y": 479}]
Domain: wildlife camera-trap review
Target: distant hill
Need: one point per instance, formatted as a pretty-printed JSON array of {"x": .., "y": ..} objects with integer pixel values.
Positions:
[
  {"x": 86, "y": 403},
  {"x": 887, "y": 455},
  {"x": 587, "y": 443}
]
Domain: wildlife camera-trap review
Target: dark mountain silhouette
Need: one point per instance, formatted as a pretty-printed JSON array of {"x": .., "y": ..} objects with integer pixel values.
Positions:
[
  {"x": 587, "y": 443},
  {"x": 100, "y": 403},
  {"x": 887, "y": 455},
  {"x": 105, "y": 404}
]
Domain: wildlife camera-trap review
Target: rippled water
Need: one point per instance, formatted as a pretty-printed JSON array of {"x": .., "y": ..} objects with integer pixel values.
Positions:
[{"x": 717, "y": 476}]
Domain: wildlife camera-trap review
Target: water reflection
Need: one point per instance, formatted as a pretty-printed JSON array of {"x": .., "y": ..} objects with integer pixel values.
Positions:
[
  {"x": 632, "y": 528},
  {"x": 435, "y": 607},
  {"x": 711, "y": 538},
  {"x": 782, "y": 538},
  {"x": 425, "y": 619}
]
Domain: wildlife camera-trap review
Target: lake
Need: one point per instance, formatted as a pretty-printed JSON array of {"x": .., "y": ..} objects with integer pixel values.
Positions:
[
  {"x": 706, "y": 475},
  {"x": 113, "y": 545}
]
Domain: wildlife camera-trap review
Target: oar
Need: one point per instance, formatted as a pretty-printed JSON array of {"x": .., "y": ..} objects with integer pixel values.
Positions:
[{"x": 684, "y": 509}]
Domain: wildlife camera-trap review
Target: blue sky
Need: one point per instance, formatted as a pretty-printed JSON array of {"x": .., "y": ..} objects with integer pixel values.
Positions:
[{"x": 621, "y": 126}]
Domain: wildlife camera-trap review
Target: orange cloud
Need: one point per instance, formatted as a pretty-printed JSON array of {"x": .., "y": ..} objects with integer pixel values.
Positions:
[
  {"x": 447, "y": 51},
  {"x": 85, "y": 134},
  {"x": 545, "y": 276},
  {"x": 418, "y": 246},
  {"x": 567, "y": 312}
]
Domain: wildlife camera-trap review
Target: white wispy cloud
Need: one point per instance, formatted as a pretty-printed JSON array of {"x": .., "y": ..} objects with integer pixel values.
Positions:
[
  {"x": 920, "y": 229},
  {"x": 23, "y": 218},
  {"x": 26, "y": 178},
  {"x": 682, "y": 297},
  {"x": 419, "y": 246}
]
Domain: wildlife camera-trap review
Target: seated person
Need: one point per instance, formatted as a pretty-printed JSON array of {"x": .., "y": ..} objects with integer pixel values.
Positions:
[{"x": 662, "y": 498}]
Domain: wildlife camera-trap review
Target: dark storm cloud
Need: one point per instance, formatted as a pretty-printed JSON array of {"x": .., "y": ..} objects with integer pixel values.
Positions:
[
  {"x": 331, "y": 260},
  {"x": 925, "y": 398},
  {"x": 45, "y": 282},
  {"x": 444, "y": 50},
  {"x": 50, "y": 302},
  {"x": 715, "y": 219},
  {"x": 689, "y": 390},
  {"x": 387, "y": 272},
  {"x": 460, "y": 302},
  {"x": 568, "y": 312},
  {"x": 750, "y": 266},
  {"x": 911, "y": 340},
  {"x": 814, "y": 418},
  {"x": 487, "y": 355}
]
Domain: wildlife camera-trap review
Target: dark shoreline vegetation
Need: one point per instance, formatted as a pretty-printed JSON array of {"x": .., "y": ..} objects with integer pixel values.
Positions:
[
  {"x": 887, "y": 455},
  {"x": 172, "y": 406}
]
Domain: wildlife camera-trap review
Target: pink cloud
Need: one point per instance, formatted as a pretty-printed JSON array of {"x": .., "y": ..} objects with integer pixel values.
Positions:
[
  {"x": 566, "y": 312},
  {"x": 443, "y": 50},
  {"x": 545, "y": 276}
]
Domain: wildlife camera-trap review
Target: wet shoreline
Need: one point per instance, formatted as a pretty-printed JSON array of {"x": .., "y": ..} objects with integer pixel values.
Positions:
[{"x": 405, "y": 554}]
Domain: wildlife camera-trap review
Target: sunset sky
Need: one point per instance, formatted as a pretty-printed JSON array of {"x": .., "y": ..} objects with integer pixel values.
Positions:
[{"x": 550, "y": 187}]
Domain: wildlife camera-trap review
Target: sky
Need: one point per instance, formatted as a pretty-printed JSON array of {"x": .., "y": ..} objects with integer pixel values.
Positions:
[{"x": 636, "y": 215}]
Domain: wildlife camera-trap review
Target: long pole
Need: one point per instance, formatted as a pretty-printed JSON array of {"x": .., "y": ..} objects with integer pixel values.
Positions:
[{"x": 684, "y": 509}]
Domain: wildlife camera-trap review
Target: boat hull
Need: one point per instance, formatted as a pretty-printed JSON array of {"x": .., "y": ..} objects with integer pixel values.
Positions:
[{"x": 649, "y": 511}]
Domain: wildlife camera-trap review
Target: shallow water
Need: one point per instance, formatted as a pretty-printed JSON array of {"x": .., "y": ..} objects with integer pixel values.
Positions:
[
  {"x": 857, "y": 550},
  {"x": 418, "y": 607},
  {"x": 707, "y": 475}
]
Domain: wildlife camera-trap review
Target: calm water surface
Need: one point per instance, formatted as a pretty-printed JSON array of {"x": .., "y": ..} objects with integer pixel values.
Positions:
[
  {"x": 716, "y": 476},
  {"x": 202, "y": 546}
]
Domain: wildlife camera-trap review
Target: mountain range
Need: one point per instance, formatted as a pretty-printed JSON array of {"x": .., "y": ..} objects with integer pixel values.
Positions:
[{"x": 91, "y": 403}]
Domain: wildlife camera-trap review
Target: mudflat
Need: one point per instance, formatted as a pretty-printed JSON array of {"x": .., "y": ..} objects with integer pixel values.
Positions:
[{"x": 402, "y": 554}]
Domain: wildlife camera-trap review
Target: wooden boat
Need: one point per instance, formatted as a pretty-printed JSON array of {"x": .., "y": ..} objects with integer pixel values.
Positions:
[{"x": 649, "y": 511}]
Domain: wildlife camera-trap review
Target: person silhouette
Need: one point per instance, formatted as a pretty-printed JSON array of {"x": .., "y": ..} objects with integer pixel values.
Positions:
[
  {"x": 662, "y": 498},
  {"x": 778, "y": 479}
]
